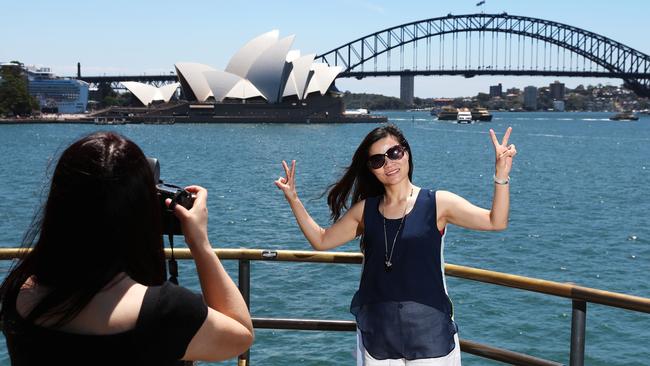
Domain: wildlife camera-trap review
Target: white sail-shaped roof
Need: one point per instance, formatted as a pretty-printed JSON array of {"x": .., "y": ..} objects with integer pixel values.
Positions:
[
  {"x": 292, "y": 55},
  {"x": 224, "y": 84},
  {"x": 302, "y": 73},
  {"x": 220, "y": 82},
  {"x": 269, "y": 73},
  {"x": 168, "y": 91},
  {"x": 322, "y": 78},
  {"x": 291, "y": 88},
  {"x": 241, "y": 62},
  {"x": 314, "y": 82},
  {"x": 191, "y": 76},
  {"x": 147, "y": 94},
  {"x": 244, "y": 89}
]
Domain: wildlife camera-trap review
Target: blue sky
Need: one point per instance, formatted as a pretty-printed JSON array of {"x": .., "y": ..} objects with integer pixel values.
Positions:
[{"x": 136, "y": 37}]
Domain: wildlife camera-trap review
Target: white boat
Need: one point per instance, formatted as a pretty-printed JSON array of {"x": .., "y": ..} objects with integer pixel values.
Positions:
[
  {"x": 354, "y": 112},
  {"x": 464, "y": 116}
]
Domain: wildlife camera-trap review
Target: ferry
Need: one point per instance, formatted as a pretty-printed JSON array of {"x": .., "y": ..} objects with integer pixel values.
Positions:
[
  {"x": 447, "y": 113},
  {"x": 481, "y": 114},
  {"x": 464, "y": 116},
  {"x": 624, "y": 116}
]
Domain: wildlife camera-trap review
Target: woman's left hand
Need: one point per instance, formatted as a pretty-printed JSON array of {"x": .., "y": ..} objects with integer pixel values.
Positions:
[{"x": 503, "y": 153}]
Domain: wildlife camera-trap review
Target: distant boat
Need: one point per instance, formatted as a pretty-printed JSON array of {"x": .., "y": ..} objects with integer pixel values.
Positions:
[
  {"x": 358, "y": 111},
  {"x": 481, "y": 114},
  {"x": 448, "y": 113},
  {"x": 624, "y": 116},
  {"x": 464, "y": 116}
]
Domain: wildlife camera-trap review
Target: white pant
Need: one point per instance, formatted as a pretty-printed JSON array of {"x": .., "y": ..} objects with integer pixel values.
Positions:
[{"x": 365, "y": 359}]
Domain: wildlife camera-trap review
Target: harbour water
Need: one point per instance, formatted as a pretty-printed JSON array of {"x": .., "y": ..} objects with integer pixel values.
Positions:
[{"x": 580, "y": 202}]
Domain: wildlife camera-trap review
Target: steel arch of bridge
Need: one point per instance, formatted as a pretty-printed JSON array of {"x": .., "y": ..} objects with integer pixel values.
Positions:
[{"x": 616, "y": 59}]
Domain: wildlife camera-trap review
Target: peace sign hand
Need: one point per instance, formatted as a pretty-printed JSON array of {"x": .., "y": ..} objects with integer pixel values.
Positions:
[
  {"x": 503, "y": 153},
  {"x": 288, "y": 184}
]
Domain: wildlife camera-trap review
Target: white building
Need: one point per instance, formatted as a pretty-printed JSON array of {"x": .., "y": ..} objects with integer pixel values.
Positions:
[{"x": 266, "y": 67}]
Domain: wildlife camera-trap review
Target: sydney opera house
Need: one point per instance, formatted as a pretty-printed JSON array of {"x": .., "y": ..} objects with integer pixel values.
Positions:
[{"x": 265, "y": 81}]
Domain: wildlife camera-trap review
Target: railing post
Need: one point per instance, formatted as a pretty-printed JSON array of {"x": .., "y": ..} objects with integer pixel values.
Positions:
[
  {"x": 578, "y": 325},
  {"x": 245, "y": 289}
]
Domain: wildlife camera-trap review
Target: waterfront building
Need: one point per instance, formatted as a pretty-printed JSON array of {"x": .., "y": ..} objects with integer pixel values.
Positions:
[
  {"x": 264, "y": 69},
  {"x": 557, "y": 90},
  {"x": 54, "y": 94},
  {"x": 496, "y": 91},
  {"x": 530, "y": 98},
  {"x": 406, "y": 89},
  {"x": 148, "y": 94},
  {"x": 264, "y": 81},
  {"x": 558, "y": 105}
]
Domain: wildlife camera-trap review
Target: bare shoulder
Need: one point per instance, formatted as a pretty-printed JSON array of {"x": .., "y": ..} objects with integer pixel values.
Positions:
[
  {"x": 355, "y": 212},
  {"x": 446, "y": 200},
  {"x": 444, "y": 197},
  {"x": 29, "y": 295}
]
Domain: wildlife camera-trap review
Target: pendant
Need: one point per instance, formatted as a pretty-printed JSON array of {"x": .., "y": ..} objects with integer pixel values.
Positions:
[{"x": 388, "y": 266}]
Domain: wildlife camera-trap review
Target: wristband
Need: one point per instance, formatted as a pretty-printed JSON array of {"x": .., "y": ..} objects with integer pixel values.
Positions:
[{"x": 501, "y": 182}]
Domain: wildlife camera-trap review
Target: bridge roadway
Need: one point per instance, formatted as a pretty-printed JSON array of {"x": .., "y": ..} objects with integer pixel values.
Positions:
[{"x": 363, "y": 74}]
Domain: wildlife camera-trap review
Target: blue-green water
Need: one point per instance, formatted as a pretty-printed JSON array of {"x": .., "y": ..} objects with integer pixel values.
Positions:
[{"x": 580, "y": 202}]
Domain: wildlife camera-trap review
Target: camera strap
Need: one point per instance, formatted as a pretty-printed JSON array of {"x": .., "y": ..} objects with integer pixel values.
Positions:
[{"x": 173, "y": 266}]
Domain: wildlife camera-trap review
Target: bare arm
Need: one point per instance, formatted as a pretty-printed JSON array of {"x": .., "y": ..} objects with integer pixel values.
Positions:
[
  {"x": 458, "y": 211},
  {"x": 342, "y": 231},
  {"x": 228, "y": 329}
]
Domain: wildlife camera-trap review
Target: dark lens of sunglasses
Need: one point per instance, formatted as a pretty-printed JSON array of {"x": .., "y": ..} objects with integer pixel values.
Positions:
[
  {"x": 376, "y": 161},
  {"x": 395, "y": 153}
]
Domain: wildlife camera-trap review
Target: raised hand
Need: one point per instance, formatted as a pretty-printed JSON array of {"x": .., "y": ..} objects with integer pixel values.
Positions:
[
  {"x": 288, "y": 183},
  {"x": 503, "y": 153},
  {"x": 195, "y": 220}
]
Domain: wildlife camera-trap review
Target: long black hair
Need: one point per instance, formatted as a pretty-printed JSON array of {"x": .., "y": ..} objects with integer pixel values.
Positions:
[
  {"x": 101, "y": 217},
  {"x": 357, "y": 178}
]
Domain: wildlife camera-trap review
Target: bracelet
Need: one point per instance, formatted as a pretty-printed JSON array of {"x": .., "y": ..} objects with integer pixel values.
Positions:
[{"x": 501, "y": 181}]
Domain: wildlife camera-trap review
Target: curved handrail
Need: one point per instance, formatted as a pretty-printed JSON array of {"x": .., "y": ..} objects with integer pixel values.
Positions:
[{"x": 566, "y": 290}]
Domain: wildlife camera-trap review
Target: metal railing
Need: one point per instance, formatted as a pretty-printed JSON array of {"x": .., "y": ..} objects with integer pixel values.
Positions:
[{"x": 579, "y": 296}]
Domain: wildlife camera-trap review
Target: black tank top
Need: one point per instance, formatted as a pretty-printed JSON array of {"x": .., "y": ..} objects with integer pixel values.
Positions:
[
  {"x": 169, "y": 318},
  {"x": 404, "y": 312}
]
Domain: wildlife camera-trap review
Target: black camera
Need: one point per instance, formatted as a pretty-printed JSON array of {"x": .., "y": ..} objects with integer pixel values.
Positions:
[{"x": 179, "y": 196}]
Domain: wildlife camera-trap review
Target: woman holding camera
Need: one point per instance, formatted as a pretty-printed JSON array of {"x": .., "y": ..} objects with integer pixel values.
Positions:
[
  {"x": 403, "y": 313},
  {"x": 92, "y": 290}
]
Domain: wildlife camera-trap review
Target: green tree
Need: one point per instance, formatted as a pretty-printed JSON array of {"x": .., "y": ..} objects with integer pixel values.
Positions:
[
  {"x": 576, "y": 102},
  {"x": 14, "y": 96},
  {"x": 482, "y": 98}
]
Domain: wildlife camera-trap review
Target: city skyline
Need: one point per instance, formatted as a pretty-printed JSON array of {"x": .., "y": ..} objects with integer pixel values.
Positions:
[{"x": 135, "y": 38}]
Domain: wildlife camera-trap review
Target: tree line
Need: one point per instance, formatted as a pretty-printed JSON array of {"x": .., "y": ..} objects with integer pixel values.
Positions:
[{"x": 14, "y": 94}]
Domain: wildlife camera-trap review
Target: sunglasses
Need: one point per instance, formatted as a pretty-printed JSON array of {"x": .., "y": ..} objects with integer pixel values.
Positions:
[{"x": 394, "y": 153}]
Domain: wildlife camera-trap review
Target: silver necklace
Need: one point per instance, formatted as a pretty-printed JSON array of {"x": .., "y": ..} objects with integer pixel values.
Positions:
[{"x": 388, "y": 256}]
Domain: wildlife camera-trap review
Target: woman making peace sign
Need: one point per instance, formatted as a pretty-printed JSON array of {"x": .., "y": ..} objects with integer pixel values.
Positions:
[{"x": 402, "y": 310}]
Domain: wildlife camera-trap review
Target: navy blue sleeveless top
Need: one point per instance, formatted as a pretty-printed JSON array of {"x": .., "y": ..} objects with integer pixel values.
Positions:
[{"x": 404, "y": 313}]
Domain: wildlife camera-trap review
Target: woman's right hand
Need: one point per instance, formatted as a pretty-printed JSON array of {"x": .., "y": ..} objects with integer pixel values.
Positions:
[
  {"x": 194, "y": 221},
  {"x": 288, "y": 184}
]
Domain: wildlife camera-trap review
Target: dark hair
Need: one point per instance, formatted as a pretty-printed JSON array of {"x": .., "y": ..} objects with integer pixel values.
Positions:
[
  {"x": 101, "y": 217},
  {"x": 358, "y": 178}
]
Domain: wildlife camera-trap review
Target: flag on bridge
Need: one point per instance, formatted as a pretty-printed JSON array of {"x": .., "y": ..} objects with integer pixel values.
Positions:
[{"x": 480, "y": 3}]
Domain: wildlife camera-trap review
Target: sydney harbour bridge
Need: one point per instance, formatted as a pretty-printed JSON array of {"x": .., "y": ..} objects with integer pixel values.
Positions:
[{"x": 473, "y": 45}]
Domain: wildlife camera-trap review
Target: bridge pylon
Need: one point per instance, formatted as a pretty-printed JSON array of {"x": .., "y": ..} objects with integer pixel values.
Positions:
[{"x": 407, "y": 88}]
